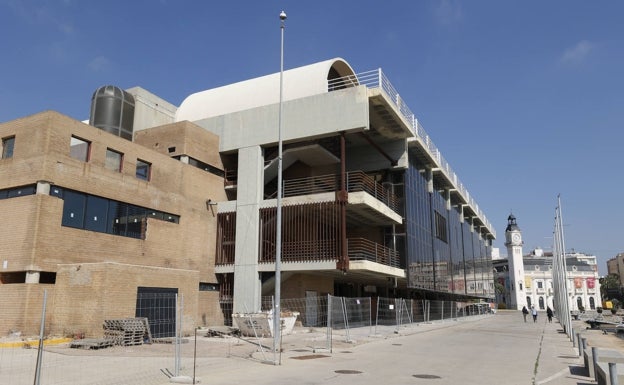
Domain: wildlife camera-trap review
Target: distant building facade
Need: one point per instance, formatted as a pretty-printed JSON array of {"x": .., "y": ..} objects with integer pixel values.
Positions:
[
  {"x": 582, "y": 281},
  {"x": 615, "y": 266}
]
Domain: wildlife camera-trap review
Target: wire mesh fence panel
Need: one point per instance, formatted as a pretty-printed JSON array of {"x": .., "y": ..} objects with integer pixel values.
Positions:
[
  {"x": 76, "y": 351},
  {"x": 358, "y": 311},
  {"x": 436, "y": 310},
  {"x": 392, "y": 314},
  {"x": 418, "y": 310},
  {"x": 359, "y": 318}
]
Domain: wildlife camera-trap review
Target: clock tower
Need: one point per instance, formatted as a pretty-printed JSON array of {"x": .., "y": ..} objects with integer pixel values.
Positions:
[{"x": 513, "y": 241}]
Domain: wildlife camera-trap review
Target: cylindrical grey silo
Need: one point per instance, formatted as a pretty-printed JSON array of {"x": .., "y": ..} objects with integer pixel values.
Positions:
[{"x": 112, "y": 110}]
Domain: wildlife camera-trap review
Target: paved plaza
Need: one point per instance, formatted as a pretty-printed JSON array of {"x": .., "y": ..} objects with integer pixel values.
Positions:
[
  {"x": 491, "y": 349},
  {"x": 498, "y": 349}
]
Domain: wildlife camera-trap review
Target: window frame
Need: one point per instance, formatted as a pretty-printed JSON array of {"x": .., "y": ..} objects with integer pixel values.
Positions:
[
  {"x": 85, "y": 156},
  {"x": 8, "y": 147},
  {"x": 140, "y": 165},
  {"x": 118, "y": 167},
  {"x": 440, "y": 227}
]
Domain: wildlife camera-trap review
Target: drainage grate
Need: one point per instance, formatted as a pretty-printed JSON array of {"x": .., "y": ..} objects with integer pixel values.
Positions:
[
  {"x": 397, "y": 344},
  {"x": 347, "y": 371},
  {"x": 427, "y": 376},
  {"x": 310, "y": 357},
  {"x": 346, "y": 351}
]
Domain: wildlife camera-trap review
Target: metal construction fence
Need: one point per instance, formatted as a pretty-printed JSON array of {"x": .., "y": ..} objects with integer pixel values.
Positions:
[{"x": 150, "y": 347}]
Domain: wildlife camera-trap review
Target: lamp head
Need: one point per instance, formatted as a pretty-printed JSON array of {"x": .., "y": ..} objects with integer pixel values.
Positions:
[{"x": 282, "y": 16}]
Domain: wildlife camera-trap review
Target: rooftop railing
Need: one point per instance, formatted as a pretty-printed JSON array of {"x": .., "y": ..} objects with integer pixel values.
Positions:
[{"x": 377, "y": 79}]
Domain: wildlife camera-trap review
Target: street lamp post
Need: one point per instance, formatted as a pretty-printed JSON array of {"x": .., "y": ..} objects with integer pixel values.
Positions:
[{"x": 278, "y": 236}]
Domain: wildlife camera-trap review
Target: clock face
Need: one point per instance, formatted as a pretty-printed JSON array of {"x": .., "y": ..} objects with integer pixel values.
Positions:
[{"x": 516, "y": 237}]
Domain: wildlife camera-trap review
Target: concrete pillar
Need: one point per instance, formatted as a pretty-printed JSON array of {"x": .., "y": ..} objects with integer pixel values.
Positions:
[
  {"x": 247, "y": 284},
  {"x": 429, "y": 177},
  {"x": 32, "y": 276},
  {"x": 43, "y": 187},
  {"x": 184, "y": 159}
]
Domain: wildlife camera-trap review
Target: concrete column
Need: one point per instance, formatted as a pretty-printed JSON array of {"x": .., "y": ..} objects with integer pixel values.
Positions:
[
  {"x": 43, "y": 187},
  {"x": 32, "y": 276},
  {"x": 184, "y": 159},
  {"x": 247, "y": 285},
  {"x": 429, "y": 177},
  {"x": 447, "y": 198}
]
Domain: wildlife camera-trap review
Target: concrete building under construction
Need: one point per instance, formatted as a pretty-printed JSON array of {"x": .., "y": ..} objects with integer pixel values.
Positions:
[{"x": 149, "y": 197}]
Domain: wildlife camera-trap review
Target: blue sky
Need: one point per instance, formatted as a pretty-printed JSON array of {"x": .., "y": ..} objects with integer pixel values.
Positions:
[{"x": 524, "y": 99}]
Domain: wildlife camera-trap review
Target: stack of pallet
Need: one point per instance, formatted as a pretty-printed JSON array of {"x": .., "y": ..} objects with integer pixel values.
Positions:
[{"x": 127, "y": 331}]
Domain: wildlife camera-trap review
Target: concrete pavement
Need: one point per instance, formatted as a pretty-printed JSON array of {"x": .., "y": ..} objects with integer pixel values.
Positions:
[
  {"x": 490, "y": 349},
  {"x": 497, "y": 349}
]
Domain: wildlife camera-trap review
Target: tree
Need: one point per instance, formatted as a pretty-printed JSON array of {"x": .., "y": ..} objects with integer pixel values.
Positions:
[{"x": 610, "y": 286}]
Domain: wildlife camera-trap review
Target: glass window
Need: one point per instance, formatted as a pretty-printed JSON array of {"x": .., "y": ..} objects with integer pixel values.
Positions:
[
  {"x": 79, "y": 149},
  {"x": 73, "y": 209},
  {"x": 113, "y": 160},
  {"x": 117, "y": 214},
  {"x": 143, "y": 170},
  {"x": 7, "y": 147},
  {"x": 90, "y": 212},
  {"x": 440, "y": 227},
  {"x": 134, "y": 226},
  {"x": 97, "y": 210},
  {"x": 21, "y": 191}
]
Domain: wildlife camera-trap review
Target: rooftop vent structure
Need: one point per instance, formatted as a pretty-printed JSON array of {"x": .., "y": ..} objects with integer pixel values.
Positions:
[{"x": 112, "y": 110}]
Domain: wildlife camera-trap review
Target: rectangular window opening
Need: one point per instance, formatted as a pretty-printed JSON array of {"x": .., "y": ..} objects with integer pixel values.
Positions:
[
  {"x": 7, "y": 147},
  {"x": 79, "y": 149},
  {"x": 143, "y": 170},
  {"x": 440, "y": 227},
  {"x": 113, "y": 160}
]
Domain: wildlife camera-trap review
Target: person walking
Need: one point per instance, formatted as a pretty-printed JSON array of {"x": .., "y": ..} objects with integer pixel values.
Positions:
[
  {"x": 549, "y": 314},
  {"x": 525, "y": 312},
  {"x": 534, "y": 313}
]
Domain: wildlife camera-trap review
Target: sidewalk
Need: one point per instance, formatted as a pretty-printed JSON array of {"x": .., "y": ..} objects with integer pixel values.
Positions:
[
  {"x": 494, "y": 349},
  {"x": 491, "y": 349}
]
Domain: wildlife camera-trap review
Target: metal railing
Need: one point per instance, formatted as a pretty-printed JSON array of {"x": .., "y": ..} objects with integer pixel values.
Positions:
[
  {"x": 356, "y": 181},
  {"x": 377, "y": 79},
  {"x": 358, "y": 249},
  {"x": 363, "y": 249}
]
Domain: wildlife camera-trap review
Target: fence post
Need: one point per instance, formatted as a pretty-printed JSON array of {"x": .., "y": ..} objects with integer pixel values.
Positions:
[
  {"x": 370, "y": 317},
  {"x": 345, "y": 318},
  {"x": 41, "y": 332},
  {"x": 329, "y": 323},
  {"x": 377, "y": 315}
]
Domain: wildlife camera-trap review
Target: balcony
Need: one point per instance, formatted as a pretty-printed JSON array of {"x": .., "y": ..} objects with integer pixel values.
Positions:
[
  {"x": 357, "y": 181},
  {"x": 362, "y": 249},
  {"x": 358, "y": 249},
  {"x": 379, "y": 86}
]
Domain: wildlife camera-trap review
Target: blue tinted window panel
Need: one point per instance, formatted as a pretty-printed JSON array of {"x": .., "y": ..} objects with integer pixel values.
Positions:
[
  {"x": 21, "y": 191},
  {"x": 74, "y": 209},
  {"x": 56, "y": 191},
  {"x": 134, "y": 225},
  {"x": 96, "y": 214},
  {"x": 117, "y": 217}
]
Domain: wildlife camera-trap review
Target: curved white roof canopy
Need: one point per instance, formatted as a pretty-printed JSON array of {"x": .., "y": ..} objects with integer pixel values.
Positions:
[{"x": 297, "y": 83}]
